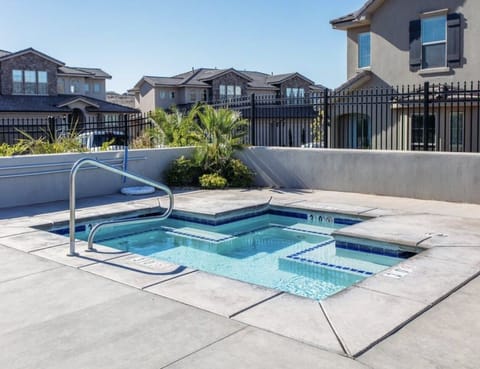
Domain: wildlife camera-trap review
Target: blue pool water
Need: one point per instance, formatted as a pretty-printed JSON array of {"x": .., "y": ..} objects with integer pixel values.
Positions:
[{"x": 289, "y": 253}]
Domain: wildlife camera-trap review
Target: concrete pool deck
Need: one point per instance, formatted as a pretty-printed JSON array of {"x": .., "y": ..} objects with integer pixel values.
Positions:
[{"x": 118, "y": 310}]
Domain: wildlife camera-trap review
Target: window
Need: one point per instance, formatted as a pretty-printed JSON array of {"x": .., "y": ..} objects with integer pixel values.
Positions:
[
  {"x": 434, "y": 42},
  {"x": 42, "y": 83},
  {"x": 223, "y": 91},
  {"x": 230, "y": 91},
  {"x": 96, "y": 87},
  {"x": 295, "y": 95},
  {"x": 75, "y": 86},
  {"x": 358, "y": 131},
  {"x": 193, "y": 96},
  {"x": 364, "y": 50},
  {"x": 162, "y": 94},
  {"x": 204, "y": 95},
  {"x": 417, "y": 133},
  {"x": 86, "y": 88},
  {"x": 29, "y": 82},
  {"x": 172, "y": 95},
  {"x": 456, "y": 130},
  {"x": 17, "y": 77}
]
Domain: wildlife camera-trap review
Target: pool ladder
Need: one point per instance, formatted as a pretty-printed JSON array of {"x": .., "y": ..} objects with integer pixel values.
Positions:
[{"x": 96, "y": 227}]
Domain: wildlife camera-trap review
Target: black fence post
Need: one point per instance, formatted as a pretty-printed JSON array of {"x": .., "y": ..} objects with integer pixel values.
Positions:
[
  {"x": 426, "y": 103},
  {"x": 253, "y": 119},
  {"x": 52, "y": 128},
  {"x": 325, "y": 117},
  {"x": 125, "y": 127}
]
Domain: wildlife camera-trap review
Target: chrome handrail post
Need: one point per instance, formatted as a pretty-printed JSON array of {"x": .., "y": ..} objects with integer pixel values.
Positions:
[{"x": 73, "y": 173}]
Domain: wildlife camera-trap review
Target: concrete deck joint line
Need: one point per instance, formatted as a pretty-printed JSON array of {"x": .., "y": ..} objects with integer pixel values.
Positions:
[
  {"x": 31, "y": 274},
  {"x": 256, "y": 304},
  {"x": 342, "y": 344},
  {"x": 168, "y": 279},
  {"x": 204, "y": 347},
  {"x": 367, "y": 211},
  {"x": 415, "y": 316}
]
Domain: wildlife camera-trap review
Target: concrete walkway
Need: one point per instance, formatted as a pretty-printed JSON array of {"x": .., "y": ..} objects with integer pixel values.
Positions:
[{"x": 118, "y": 310}]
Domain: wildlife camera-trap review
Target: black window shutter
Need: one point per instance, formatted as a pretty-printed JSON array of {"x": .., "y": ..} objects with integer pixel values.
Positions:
[
  {"x": 454, "y": 39},
  {"x": 415, "y": 39}
]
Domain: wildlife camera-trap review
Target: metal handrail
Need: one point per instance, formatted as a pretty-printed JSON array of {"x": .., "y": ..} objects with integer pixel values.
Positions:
[{"x": 123, "y": 173}]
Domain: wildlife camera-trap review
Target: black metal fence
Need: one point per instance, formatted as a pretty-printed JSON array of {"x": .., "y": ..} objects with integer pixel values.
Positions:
[
  {"x": 427, "y": 117},
  {"x": 125, "y": 128}
]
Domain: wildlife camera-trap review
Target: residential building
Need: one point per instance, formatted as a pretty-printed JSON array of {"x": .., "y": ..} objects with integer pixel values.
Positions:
[
  {"x": 213, "y": 85},
  {"x": 35, "y": 85},
  {"x": 126, "y": 99},
  {"x": 395, "y": 43}
]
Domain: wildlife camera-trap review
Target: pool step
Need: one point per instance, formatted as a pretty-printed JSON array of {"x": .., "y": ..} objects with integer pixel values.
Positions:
[
  {"x": 309, "y": 228},
  {"x": 326, "y": 256},
  {"x": 199, "y": 234}
]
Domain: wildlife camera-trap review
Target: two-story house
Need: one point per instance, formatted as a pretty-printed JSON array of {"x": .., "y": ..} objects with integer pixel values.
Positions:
[
  {"x": 395, "y": 43},
  {"x": 284, "y": 114},
  {"x": 213, "y": 85},
  {"x": 35, "y": 85}
]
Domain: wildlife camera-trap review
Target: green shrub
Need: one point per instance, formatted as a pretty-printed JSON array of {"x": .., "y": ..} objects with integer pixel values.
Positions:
[
  {"x": 212, "y": 181},
  {"x": 238, "y": 174},
  {"x": 183, "y": 172}
]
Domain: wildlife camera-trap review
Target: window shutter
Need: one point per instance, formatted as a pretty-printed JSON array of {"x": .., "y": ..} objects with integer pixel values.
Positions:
[
  {"x": 415, "y": 39},
  {"x": 454, "y": 39}
]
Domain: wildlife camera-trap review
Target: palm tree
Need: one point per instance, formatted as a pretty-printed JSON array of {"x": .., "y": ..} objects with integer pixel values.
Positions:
[
  {"x": 174, "y": 128},
  {"x": 219, "y": 134}
]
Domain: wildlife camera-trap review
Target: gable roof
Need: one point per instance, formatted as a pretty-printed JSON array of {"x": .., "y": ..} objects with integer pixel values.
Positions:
[
  {"x": 57, "y": 104},
  {"x": 81, "y": 99},
  {"x": 358, "y": 18},
  {"x": 279, "y": 78},
  {"x": 83, "y": 72},
  {"x": 200, "y": 77},
  {"x": 4, "y": 52},
  {"x": 33, "y": 51},
  {"x": 356, "y": 81},
  {"x": 222, "y": 72}
]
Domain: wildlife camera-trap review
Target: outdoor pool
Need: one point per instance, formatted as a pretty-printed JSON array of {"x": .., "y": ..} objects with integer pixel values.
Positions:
[{"x": 288, "y": 250}]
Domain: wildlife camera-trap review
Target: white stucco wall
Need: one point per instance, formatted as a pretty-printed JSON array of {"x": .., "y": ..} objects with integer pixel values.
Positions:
[
  {"x": 438, "y": 176},
  {"x": 36, "y": 179},
  {"x": 423, "y": 175}
]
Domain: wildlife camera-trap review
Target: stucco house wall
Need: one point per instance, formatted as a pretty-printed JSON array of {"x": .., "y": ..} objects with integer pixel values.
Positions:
[{"x": 390, "y": 42}]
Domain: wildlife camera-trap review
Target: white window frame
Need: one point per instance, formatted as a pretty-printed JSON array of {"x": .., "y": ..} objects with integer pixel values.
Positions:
[
  {"x": 430, "y": 16},
  {"x": 360, "y": 50}
]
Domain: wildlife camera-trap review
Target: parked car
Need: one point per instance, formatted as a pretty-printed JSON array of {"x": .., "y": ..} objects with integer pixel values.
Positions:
[{"x": 97, "y": 140}]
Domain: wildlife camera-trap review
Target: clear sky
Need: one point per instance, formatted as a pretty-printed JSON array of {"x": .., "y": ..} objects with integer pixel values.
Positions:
[{"x": 129, "y": 39}]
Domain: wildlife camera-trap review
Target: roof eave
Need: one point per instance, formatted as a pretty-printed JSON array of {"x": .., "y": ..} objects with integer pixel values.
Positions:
[{"x": 345, "y": 25}]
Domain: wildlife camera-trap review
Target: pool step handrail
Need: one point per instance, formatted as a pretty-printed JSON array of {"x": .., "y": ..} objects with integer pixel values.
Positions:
[{"x": 73, "y": 173}]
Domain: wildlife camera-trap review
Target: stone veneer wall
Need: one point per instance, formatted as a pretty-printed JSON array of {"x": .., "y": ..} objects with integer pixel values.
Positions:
[
  {"x": 294, "y": 82},
  {"x": 29, "y": 61},
  {"x": 228, "y": 79}
]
